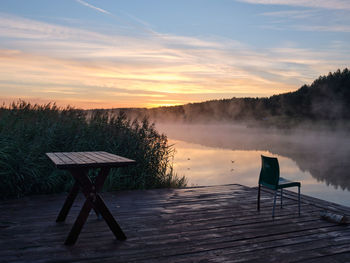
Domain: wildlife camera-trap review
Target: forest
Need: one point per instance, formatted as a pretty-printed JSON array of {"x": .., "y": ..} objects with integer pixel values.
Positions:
[{"x": 326, "y": 100}]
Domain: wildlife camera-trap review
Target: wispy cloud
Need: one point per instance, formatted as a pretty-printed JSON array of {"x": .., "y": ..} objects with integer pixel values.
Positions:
[
  {"x": 136, "y": 23},
  {"x": 309, "y": 28},
  {"x": 129, "y": 70},
  {"x": 326, "y": 4},
  {"x": 295, "y": 14},
  {"x": 92, "y": 6},
  {"x": 316, "y": 20},
  {"x": 323, "y": 28}
]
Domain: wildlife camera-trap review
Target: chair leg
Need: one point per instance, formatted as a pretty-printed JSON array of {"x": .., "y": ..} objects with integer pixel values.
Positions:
[
  {"x": 281, "y": 198},
  {"x": 274, "y": 204},
  {"x": 299, "y": 199},
  {"x": 259, "y": 197}
]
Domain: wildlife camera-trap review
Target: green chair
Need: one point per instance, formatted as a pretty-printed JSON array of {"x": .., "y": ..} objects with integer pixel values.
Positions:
[{"x": 270, "y": 178}]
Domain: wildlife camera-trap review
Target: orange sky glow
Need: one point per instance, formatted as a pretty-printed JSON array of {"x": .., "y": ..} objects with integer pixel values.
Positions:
[{"x": 115, "y": 60}]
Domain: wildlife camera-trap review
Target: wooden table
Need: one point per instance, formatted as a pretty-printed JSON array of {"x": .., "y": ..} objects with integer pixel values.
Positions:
[{"x": 79, "y": 163}]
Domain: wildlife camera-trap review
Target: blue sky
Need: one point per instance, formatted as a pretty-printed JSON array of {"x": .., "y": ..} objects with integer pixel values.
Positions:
[{"x": 147, "y": 53}]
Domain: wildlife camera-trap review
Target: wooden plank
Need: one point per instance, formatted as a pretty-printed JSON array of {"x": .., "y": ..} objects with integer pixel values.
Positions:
[
  {"x": 72, "y": 160},
  {"x": 73, "y": 157},
  {"x": 105, "y": 157},
  {"x": 316, "y": 202},
  {"x": 55, "y": 159},
  {"x": 81, "y": 158},
  {"x": 84, "y": 157},
  {"x": 103, "y": 160},
  {"x": 114, "y": 157},
  {"x": 101, "y": 157},
  {"x": 108, "y": 157},
  {"x": 95, "y": 157},
  {"x": 203, "y": 224},
  {"x": 66, "y": 159}
]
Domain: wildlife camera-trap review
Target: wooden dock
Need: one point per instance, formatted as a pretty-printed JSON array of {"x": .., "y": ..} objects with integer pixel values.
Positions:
[{"x": 201, "y": 224}]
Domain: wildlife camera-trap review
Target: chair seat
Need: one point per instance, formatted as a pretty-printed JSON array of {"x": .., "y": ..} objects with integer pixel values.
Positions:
[
  {"x": 270, "y": 178},
  {"x": 284, "y": 183}
]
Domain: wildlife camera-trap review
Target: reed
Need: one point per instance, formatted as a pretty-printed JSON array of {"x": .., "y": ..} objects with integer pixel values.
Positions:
[{"x": 28, "y": 131}]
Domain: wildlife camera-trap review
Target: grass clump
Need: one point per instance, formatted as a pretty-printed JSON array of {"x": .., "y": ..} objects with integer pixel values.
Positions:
[{"x": 28, "y": 131}]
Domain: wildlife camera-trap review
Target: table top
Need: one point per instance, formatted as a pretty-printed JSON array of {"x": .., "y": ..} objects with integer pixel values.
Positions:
[{"x": 66, "y": 160}]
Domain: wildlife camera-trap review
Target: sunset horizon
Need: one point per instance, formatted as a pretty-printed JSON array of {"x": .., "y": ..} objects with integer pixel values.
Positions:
[{"x": 102, "y": 54}]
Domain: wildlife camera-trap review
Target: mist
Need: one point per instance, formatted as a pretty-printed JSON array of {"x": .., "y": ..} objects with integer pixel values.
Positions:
[
  {"x": 325, "y": 103},
  {"x": 311, "y": 125},
  {"x": 323, "y": 153}
]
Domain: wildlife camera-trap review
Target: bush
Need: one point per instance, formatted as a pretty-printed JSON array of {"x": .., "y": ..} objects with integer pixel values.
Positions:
[{"x": 28, "y": 131}]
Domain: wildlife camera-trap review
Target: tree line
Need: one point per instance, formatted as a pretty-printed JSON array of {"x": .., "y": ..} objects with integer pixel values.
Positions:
[{"x": 326, "y": 99}]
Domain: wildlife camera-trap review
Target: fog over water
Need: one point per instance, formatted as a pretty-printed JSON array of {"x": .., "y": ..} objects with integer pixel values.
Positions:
[{"x": 223, "y": 154}]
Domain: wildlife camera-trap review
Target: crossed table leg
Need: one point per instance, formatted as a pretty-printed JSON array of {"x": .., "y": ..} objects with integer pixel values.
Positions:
[{"x": 93, "y": 200}]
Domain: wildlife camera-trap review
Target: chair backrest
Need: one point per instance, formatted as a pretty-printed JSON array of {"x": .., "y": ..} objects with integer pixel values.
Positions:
[{"x": 270, "y": 172}]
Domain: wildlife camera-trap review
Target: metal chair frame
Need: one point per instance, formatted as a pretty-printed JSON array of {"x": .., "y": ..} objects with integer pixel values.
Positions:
[{"x": 270, "y": 178}]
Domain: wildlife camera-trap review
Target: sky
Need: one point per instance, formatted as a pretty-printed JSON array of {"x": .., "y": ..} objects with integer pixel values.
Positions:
[{"x": 149, "y": 53}]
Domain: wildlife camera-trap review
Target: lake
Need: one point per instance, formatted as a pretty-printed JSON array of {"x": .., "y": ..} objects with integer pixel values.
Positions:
[{"x": 227, "y": 154}]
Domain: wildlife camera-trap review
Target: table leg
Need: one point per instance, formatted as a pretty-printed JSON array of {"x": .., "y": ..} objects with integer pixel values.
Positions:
[
  {"x": 108, "y": 217},
  {"x": 96, "y": 211},
  {"x": 79, "y": 223},
  {"x": 93, "y": 200},
  {"x": 68, "y": 203},
  {"x": 81, "y": 174},
  {"x": 100, "y": 179},
  {"x": 102, "y": 208}
]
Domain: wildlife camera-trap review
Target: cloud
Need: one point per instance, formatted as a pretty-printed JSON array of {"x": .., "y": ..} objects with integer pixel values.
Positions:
[
  {"x": 324, "y": 28},
  {"x": 140, "y": 25},
  {"x": 93, "y": 7},
  {"x": 20, "y": 28},
  {"x": 315, "y": 20},
  {"x": 325, "y": 4},
  {"x": 295, "y": 14},
  {"x": 67, "y": 64}
]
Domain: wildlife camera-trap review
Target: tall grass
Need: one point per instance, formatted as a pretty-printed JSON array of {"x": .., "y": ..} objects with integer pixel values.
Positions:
[{"x": 28, "y": 131}]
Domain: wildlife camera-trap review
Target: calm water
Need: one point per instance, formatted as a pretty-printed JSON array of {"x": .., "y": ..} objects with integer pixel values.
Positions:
[{"x": 215, "y": 155}]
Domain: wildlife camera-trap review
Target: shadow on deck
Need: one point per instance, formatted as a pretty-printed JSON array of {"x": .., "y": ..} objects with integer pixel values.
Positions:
[{"x": 204, "y": 224}]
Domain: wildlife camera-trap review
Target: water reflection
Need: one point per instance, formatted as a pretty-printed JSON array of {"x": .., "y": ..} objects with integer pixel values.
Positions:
[{"x": 211, "y": 155}]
